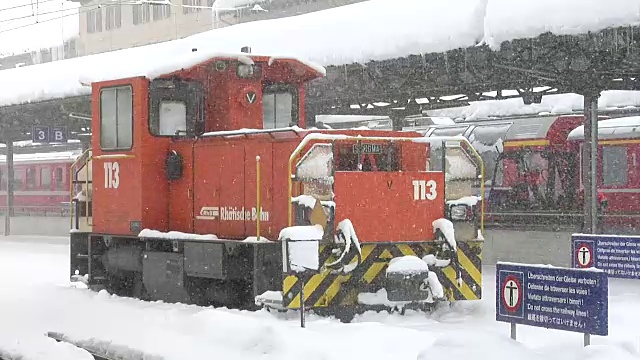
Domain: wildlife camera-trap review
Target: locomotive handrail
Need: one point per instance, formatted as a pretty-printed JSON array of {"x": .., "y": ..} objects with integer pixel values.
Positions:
[
  {"x": 247, "y": 132},
  {"x": 341, "y": 137},
  {"x": 258, "y": 210},
  {"x": 85, "y": 158}
]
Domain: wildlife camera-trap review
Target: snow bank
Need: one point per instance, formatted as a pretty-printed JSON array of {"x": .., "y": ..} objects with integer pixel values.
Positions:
[
  {"x": 230, "y": 335},
  {"x": 174, "y": 235},
  {"x": 494, "y": 345},
  {"x": 39, "y": 300},
  {"x": 40, "y": 348}
]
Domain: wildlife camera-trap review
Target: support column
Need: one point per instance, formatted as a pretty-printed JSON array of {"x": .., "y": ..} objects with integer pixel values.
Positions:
[
  {"x": 397, "y": 120},
  {"x": 9, "y": 210},
  {"x": 590, "y": 163}
]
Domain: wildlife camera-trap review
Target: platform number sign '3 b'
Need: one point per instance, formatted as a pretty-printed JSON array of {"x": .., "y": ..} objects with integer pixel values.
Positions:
[
  {"x": 111, "y": 175},
  {"x": 424, "y": 190}
]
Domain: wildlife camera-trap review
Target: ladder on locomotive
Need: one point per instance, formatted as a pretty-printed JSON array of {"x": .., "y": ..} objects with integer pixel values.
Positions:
[
  {"x": 81, "y": 194},
  {"x": 82, "y": 252}
]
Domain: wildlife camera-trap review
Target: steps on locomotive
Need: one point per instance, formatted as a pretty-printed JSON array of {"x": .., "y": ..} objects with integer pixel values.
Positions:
[{"x": 84, "y": 260}]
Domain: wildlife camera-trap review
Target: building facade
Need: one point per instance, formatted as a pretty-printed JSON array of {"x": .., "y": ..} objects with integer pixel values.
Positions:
[
  {"x": 65, "y": 51},
  {"x": 107, "y": 25}
]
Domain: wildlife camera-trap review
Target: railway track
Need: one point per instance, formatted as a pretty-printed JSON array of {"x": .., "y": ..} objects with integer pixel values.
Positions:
[
  {"x": 61, "y": 338},
  {"x": 99, "y": 350},
  {"x": 105, "y": 350}
]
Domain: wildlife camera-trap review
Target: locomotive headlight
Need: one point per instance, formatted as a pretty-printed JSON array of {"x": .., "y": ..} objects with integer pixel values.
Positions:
[{"x": 245, "y": 70}]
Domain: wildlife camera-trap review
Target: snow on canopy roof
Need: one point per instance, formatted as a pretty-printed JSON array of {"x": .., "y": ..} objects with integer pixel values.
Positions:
[
  {"x": 617, "y": 128},
  {"x": 331, "y": 37},
  {"x": 551, "y": 104},
  {"x": 507, "y": 19},
  {"x": 384, "y": 29},
  {"x": 65, "y": 78}
]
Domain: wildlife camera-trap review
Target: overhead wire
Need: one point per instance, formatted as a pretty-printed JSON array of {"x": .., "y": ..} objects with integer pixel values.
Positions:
[
  {"x": 25, "y": 5},
  {"x": 73, "y": 13},
  {"x": 51, "y": 12},
  {"x": 93, "y": 7}
]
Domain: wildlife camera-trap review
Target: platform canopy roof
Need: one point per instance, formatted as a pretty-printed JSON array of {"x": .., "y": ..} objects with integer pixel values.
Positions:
[{"x": 358, "y": 33}]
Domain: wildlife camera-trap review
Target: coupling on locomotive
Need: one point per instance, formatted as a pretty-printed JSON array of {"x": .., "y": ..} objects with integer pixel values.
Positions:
[{"x": 204, "y": 185}]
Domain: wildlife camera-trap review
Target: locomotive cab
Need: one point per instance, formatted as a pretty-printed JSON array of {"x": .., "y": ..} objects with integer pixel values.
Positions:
[{"x": 144, "y": 123}]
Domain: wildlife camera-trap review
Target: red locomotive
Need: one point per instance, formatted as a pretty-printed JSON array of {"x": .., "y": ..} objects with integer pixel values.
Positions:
[{"x": 202, "y": 180}]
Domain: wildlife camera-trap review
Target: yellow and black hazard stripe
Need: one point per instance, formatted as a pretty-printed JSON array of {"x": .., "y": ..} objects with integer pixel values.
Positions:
[
  {"x": 470, "y": 266},
  {"x": 330, "y": 288}
]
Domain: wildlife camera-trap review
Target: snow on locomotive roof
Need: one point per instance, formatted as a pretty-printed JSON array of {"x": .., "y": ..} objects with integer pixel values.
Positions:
[
  {"x": 617, "y": 128},
  {"x": 551, "y": 104},
  {"x": 71, "y": 77},
  {"x": 59, "y": 156},
  {"x": 330, "y": 37}
]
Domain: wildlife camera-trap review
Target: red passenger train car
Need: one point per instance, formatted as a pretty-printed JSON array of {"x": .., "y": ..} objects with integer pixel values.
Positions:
[
  {"x": 533, "y": 172},
  {"x": 618, "y": 177},
  {"x": 41, "y": 182}
]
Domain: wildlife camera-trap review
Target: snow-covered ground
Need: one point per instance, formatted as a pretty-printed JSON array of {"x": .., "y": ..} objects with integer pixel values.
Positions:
[{"x": 36, "y": 298}]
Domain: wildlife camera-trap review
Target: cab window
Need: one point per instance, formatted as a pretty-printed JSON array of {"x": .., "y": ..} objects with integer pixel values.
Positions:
[
  {"x": 176, "y": 107},
  {"x": 279, "y": 106},
  {"x": 172, "y": 118},
  {"x": 116, "y": 118}
]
